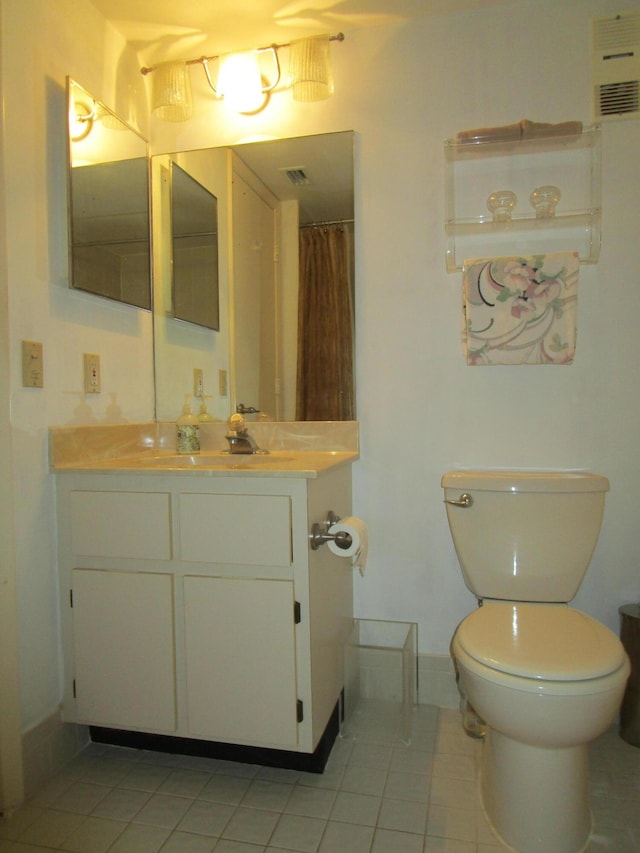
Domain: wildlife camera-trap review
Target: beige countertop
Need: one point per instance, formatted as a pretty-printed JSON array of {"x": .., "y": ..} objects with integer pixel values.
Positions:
[{"x": 295, "y": 463}]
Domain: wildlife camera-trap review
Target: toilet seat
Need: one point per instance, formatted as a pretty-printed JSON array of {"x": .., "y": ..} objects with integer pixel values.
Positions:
[{"x": 542, "y": 642}]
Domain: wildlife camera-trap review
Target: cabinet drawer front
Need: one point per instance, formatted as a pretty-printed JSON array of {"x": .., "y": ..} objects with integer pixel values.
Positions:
[
  {"x": 134, "y": 525},
  {"x": 243, "y": 529}
]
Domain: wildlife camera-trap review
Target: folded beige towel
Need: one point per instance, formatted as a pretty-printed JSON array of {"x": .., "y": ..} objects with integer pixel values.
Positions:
[{"x": 524, "y": 129}]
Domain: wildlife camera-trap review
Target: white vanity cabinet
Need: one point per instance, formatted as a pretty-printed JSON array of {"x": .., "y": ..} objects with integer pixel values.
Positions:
[{"x": 194, "y": 607}]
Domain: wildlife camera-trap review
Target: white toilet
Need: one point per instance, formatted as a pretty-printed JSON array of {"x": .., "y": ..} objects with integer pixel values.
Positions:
[{"x": 545, "y": 678}]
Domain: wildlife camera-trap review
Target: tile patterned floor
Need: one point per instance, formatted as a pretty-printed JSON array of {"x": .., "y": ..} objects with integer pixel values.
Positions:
[{"x": 377, "y": 795}]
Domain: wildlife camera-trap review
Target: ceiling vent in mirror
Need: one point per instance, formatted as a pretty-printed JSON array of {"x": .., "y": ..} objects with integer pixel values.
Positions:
[
  {"x": 296, "y": 174},
  {"x": 616, "y": 66}
]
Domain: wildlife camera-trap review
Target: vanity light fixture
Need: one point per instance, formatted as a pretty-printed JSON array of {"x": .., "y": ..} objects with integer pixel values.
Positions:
[
  {"x": 242, "y": 80},
  {"x": 84, "y": 113},
  {"x": 310, "y": 69},
  {"x": 241, "y": 83},
  {"x": 81, "y": 118},
  {"x": 172, "y": 100}
]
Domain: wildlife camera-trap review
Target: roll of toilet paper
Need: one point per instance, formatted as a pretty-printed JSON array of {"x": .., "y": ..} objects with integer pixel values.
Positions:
[{"x": 357, "y": 548}]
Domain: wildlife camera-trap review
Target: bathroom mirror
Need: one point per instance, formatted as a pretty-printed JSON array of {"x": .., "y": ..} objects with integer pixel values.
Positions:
[
  {"x": 194, "y": 235},
  {"x": 109, "y": 224},
  {"x": 267, "y": 193}
]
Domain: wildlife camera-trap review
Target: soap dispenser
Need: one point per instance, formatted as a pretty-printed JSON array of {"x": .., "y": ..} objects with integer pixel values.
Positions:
[
  {"x": 187, "y": 430},
  {"x": 203, "y": 414}
]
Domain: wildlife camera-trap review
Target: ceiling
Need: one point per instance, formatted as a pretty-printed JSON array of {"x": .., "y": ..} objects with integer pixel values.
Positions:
[
  {"x": 325, "y": 160},
  {"x": 170, "y": 29}
]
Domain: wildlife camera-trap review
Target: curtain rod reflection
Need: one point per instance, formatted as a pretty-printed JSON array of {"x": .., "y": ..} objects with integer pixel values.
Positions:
[{"x": 325, "y": 224}]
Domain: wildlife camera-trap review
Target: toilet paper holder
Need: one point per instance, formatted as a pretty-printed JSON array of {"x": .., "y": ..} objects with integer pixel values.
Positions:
[{"x": 320, "y": 533}]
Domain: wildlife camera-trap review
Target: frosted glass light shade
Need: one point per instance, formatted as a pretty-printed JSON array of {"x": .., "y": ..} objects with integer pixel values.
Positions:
[
  {"x": 172, "y": 99},
  {"x": 240, "y": 82},
  {"x": 310, "y": 69}
]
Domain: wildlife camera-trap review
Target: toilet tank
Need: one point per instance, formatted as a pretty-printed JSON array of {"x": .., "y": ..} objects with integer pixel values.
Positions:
[{"x": 527, "y": 535}]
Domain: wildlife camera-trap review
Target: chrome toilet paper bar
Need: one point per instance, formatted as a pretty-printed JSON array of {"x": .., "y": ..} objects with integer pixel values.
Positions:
[{"x": 320, "y": 533}]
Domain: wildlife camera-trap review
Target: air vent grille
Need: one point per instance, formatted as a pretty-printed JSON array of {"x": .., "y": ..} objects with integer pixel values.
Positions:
[
  {"x": 616, "y": 66},
  {"x": 613, "y": 33},
  {"x": 296, "y": 175},
  {"x": 617, "y": 98}
]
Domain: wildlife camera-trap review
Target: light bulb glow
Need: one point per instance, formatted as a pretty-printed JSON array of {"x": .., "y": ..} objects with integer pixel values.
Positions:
[{"x": 240, "y": 82}]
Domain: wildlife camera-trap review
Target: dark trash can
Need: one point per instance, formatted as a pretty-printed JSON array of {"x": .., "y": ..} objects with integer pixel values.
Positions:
[{"x": 630, "y": 710}]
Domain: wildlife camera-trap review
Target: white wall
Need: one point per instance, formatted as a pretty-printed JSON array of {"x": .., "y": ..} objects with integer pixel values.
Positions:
[
  {"x": 403, "y": 89},
  {"x": 42, "y": 42}
]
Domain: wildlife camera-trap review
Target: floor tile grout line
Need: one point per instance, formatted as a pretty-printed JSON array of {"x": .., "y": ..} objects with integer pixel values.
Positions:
[{"x": 392, "y": 761}]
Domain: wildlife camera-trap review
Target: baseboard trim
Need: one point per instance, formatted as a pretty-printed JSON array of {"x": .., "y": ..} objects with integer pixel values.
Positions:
[
  {"x": 47, "y": 747},
  {"x": 309, "y": 762}
]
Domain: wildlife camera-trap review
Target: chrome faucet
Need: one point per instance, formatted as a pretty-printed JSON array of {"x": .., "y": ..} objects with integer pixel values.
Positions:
[{"x": 238, "y": 437}]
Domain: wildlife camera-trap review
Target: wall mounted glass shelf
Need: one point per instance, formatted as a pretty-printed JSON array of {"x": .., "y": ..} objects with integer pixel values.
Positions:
[{"x": 475, "y": 172}]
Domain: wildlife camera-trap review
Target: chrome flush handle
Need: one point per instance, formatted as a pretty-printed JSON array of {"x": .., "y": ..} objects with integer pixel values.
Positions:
[{"x": 464, "y": 500}]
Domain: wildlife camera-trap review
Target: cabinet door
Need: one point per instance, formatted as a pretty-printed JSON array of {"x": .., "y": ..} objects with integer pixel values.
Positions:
[
  {"x": 123, "y": 635},
  {"x": 240, "y": 651}
]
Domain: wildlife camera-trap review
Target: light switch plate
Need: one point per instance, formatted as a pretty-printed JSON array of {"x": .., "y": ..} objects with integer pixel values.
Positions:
[{"x": 32, "y": 365}]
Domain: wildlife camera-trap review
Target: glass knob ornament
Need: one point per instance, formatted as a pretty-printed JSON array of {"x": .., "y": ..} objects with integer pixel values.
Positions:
[
  {"x": 501, "y": 204},
  {"x": 544, "y": 201}
]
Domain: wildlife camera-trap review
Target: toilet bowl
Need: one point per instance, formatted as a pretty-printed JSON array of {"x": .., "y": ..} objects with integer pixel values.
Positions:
[
  {"x": 546, "y": 689},
  {"x": 545, "y": 675},
  {"x": 547, "y": 679}
]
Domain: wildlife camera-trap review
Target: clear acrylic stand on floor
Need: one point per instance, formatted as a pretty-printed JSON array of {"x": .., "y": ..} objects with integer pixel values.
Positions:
[{"x": 380, "y": 662}]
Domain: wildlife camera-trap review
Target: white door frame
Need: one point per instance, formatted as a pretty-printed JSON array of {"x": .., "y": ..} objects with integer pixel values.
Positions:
[{"x": 11, "y": 769}]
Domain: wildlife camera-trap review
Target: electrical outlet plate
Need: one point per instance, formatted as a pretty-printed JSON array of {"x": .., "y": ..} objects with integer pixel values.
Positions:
[
  {"x": 91, "y": 373},
  {"x": 222, "y": 383},
  {"x": 32, "y": 365},
  {"x": 198, "y": 382}
]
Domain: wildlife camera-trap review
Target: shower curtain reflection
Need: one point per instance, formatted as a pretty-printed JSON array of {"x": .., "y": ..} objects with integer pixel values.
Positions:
[{"x": 325, "y": 375}]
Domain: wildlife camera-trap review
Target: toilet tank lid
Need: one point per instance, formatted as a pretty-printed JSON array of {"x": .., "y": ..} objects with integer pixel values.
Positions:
[
  {"x": 540, "y": 641},
  {"x": 525, "y": 480}
]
